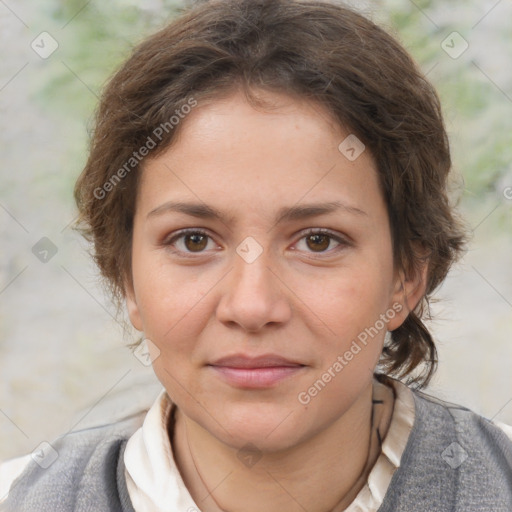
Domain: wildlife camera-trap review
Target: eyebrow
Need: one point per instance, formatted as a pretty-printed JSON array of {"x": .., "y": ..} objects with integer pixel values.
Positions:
[{"x": 287, "y": 213}]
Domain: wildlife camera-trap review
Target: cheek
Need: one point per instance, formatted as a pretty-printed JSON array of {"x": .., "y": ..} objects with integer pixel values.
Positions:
[
  {"x": 174, "y": 312},
  {"x": 350, "y": 305},
  {"x": 167, "y": 298},
  {"x": 351, "y": 299}
]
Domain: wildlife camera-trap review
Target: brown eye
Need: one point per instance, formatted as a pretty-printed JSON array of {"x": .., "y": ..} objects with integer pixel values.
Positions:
[
  {"x": 189, "y": 242},
  {"x": 195, "y": 242},
  {"x": 322, "y": 242},
  {"x": 318, "y": 242}
]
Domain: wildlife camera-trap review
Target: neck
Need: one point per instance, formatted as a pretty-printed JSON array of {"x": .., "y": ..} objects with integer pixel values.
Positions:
[{"x": 322, "y": 474}]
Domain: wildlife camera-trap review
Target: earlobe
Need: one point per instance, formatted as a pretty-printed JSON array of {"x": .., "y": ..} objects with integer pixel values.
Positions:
[
  {"x": 408, "y": 293},
  {"x": 132, "y": 307}
]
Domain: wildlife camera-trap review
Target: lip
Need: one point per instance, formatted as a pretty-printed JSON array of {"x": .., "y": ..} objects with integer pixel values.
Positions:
[
  {"x": 255, "y": 372},
  {"x": 261, "y": 361}
]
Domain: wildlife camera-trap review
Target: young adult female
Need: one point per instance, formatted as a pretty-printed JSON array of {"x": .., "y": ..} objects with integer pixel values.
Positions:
[{"x": 266, "y": 191}]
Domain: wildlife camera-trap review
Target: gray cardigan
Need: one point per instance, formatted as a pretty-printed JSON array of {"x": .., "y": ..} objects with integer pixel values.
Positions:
[{"x": 454, "y": 461}]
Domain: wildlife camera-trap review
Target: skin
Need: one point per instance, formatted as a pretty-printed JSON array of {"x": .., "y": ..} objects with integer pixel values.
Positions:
[{"x": 298, "y": 300}]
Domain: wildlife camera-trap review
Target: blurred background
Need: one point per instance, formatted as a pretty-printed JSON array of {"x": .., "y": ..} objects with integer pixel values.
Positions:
[{"x": 64, "y": 361}]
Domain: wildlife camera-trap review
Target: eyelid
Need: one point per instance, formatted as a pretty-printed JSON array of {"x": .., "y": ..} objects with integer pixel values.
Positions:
[
  {"x": 185, "y": 231},
  {"x": 342, "y": 240},
  {"x": 323, "y": 231},
  {"x": 171, "y": 239}
]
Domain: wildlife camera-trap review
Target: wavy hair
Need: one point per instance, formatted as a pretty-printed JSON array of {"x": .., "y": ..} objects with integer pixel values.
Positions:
[{"x": 315, "y": 49}]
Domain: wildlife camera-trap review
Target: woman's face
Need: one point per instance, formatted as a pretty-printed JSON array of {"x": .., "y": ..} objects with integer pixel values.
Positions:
[{"x": 285, "y": 267}]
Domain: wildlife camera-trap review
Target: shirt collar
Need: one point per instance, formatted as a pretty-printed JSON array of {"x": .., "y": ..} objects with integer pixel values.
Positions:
[{"x": 155, "y": 483}]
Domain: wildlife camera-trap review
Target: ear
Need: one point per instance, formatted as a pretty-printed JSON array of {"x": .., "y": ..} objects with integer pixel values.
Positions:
[
  {"x": 132, "y": 306},
  {"x": 408, "y": 292}
]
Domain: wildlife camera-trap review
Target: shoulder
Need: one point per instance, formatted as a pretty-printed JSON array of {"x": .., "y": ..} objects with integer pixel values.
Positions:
[
  {"x": 507, "y": 429},
  {"x": 454, "y": 459},
  {"x": 463, "y": 422},
  {"x": 70, "y": 468},
  {"x": 9, "y": 471}
]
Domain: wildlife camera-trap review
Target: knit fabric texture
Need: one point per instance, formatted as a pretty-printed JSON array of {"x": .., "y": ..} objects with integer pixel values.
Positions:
[{"x": 454, "y": 461}]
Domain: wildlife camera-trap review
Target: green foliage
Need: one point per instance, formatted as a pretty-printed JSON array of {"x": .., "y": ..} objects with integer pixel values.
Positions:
[
  {"x": 477, "y": 113},
  {"x": 94, "y": 38}
]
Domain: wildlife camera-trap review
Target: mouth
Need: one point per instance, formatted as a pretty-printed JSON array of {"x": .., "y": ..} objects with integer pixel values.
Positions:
[{"x": 255, "y": 372}]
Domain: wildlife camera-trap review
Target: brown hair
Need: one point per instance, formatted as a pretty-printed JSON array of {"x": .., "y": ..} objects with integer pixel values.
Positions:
[{"x": 315, "y": 49}]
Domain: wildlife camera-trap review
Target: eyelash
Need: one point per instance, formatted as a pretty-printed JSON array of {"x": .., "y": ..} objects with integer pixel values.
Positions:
[{"x": 343, "y": 242}]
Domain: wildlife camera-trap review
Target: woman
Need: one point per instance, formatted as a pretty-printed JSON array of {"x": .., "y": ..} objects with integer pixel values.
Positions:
[{"x": 266, "y": 191}]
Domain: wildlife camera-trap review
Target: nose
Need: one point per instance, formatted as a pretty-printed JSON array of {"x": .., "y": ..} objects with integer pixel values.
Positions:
[{"x": 253, "y": 297}]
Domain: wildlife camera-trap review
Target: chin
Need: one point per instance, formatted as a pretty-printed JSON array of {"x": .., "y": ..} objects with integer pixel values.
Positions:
[
  {"x": 250, "y": 440},
  {"x": 268, "y": 427}
]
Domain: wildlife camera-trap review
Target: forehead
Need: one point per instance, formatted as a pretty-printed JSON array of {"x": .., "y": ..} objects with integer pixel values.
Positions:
[
  {"x": 231, "y": 151},
  {"x": 232, "y": 122}
]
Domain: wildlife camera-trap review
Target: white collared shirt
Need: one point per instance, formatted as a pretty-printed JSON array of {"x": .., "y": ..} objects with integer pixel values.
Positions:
[{"x": 155, "y": 484}]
